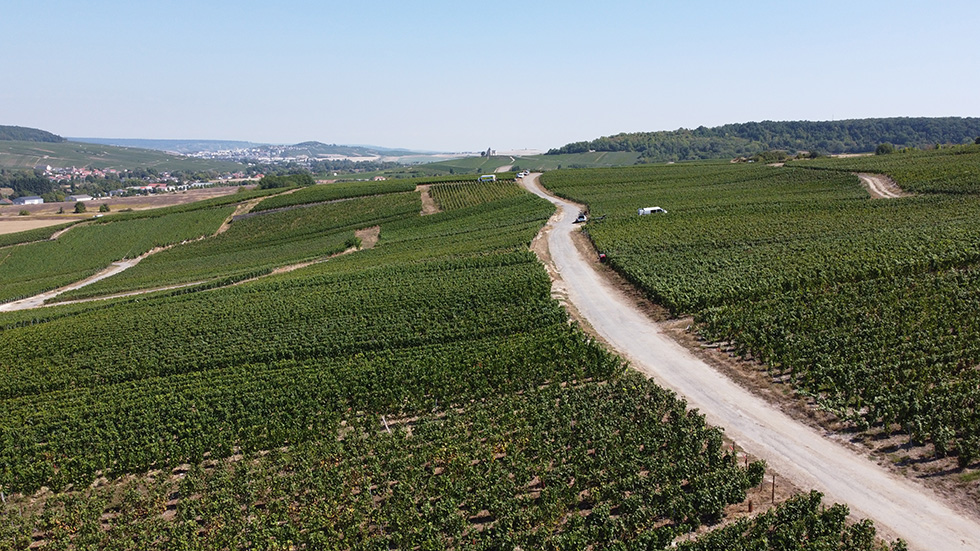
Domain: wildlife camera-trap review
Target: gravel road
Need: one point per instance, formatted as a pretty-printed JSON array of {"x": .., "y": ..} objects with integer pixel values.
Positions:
[{"x": 811, "y": 459}]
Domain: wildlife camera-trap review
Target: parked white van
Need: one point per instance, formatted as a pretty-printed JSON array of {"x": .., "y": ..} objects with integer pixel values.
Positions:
[{"x": 650, "y": 210}]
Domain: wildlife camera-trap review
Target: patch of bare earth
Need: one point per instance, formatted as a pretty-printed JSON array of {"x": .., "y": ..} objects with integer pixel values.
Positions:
[
  {"x": 24, "y": 223},
  {"x": 881, "y": 186},
  {"x": 429, "y": 205},
  {"x": 367, "y": 236},
  {"x": 242, "y": 208}
]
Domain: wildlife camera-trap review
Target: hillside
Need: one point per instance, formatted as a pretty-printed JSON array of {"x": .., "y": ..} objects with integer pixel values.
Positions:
[
  {"x": 312, "y": 149},
  {"x": 172, "y": 146},
  {"x": 25, "y": 155},
  {"x": 21, "y": 133},
  {"x": 832, "y": 137}
]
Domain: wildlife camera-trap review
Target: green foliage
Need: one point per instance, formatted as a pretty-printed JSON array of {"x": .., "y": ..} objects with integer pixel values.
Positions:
[
  {"x": 80, "y": 207},
  {"x": 26, "y": 183},
  {"x": 28, "y": 236},
  {"x": 952, "y": 171},
  {"x": 332, "y": 192},
  {"x": 386, "y": 333},
  {"x": 868, "y": 306},
  {"x": 272, "y": 182},
  {"x": 770, "y": 156},
  {"x": 104, "y": 207},
  {"x": 451, "y": 196},
  {"x": 25, "y": 155},
  {"x": 734, "y": 140},
  {"x": 427, "y": 393},
  {"x": 798, "y": 524},
  {"x": 884, "y": 149},
  {"x": 21, "y": 133},
  {"x": 37, "y": 267},
  {"x": 238, "y": 197},
  {"x": 613, "y": 464},
  {"x": 257, "y": 243}
]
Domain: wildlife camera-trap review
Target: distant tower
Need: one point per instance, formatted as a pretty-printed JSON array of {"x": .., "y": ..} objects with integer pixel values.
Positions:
[{"x": 489, "y": 152}]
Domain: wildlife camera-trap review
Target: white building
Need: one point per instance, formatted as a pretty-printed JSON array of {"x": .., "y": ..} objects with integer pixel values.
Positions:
[{"x": 29, "y": 200}]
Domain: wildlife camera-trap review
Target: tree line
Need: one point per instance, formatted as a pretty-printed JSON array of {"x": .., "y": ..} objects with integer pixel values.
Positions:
[
  {"x": 746, "y": 139},
  {"x": 20, "y": 133}
]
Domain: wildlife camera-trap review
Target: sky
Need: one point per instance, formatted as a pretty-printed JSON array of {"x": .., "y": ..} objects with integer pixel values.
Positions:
[{"x": 465, "y": 76}]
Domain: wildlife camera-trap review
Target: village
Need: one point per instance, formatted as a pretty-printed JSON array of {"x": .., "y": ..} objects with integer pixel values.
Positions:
[{"x": 71, "y": 179}]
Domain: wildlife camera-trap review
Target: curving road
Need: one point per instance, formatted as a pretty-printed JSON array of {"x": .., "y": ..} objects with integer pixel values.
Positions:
[
  {"x": 880, "y": 186},
  {"x": 899, "y": 507}
]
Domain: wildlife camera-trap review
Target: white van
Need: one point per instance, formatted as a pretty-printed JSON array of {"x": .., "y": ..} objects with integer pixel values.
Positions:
[
  {"x": 650, "y": 210},
  {"x": 488, "y": 178}
]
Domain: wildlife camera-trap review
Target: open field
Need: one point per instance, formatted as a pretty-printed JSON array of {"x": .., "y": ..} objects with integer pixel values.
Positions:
[
  {"x": 27, "y": 155},
  {"x": 24, "y": 223}
]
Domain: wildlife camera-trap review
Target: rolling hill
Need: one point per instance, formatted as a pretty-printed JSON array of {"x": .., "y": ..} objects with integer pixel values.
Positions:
[
  {"x": 25, "y": 155},
  {"x": 833, "y": 137},
  {"x": 27, "y": 134}
]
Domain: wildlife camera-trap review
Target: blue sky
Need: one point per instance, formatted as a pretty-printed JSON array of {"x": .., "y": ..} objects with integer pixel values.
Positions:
[{"x": 463, "y": 76}]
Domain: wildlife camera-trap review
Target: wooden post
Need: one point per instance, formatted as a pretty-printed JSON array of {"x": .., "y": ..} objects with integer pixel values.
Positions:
[
  {"x": 386, "y": 424},
  {"x": 750, "y": 505},
  {"x": 774, "y": 488}
]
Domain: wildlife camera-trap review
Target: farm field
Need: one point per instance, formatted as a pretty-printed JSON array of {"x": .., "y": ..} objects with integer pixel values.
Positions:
[
  {"x": 255, "y": 245},
  {"x": 954, "y": 170},
  {"x": 333, "y": 192},
  {"x": 33, "y": 268},
  {"x": 427, "y": 392},
  {"x": 865, "y": 306}
]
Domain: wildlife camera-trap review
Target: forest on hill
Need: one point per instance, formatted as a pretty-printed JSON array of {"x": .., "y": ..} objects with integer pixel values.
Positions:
[
  {"x": 23, "y": 134},
  {"x": 744, "y": 139}
]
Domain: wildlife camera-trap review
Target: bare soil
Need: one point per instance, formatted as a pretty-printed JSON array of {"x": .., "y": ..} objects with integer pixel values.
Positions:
[
  {"x": 429, "y": 205},
  {"x": 881, "y": 186},
  {"x": 24, "y": 223}
]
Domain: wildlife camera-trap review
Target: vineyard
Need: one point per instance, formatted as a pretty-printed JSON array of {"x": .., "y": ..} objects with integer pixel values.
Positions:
[
  {"x": 455, "y": 195},
  {"x": 258, "y": 244},
  {"x": 33, "y": 268},
  {"x": 951, "y": 170},
  {"x": 426, "y": 393},
  {"x": 332, "y": 192},
  {"x": 868, "y": 307},
  {"x": 29, "y": 236}
]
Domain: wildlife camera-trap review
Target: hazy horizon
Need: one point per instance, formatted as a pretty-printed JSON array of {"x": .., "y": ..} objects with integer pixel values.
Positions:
[{"x": 445, "y": 76}]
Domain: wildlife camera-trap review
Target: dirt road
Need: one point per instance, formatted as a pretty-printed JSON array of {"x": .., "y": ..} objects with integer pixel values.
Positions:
[
  {"x": 37, "y": 301},
  {"x": 881, "y": 186},
  {"x": 899, "y": 507}
]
